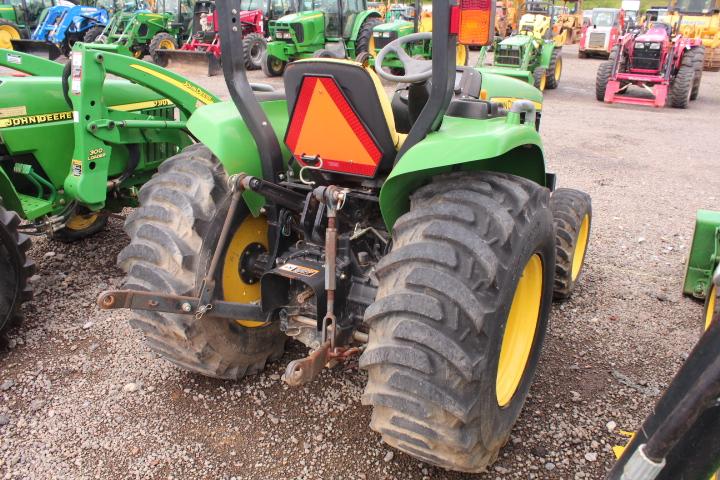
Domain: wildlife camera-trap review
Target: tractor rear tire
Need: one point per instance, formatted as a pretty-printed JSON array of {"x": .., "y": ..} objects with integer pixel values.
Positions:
[
  {"x": 161, "y": 40},
  {"x": 572, "y": 214},
  {"x": 254, "y": 46},
  {"x": 92, "y": 35},
  {"x": 438, "y": 324},
  {"x": 681, "y": 86},
  {"x": 271, "y": 66},
  {"x": 362, "y": 44},
  {"x": 9, "y": 31},
  {"x": 601, "y": 79},
  {"x": 554, "y": 70},
  {"x": 540, "y": 78},
  {"x": 172, "y": 238},
  {"x": 15, "y": 270},
  {"x": 698, "y": 60}
]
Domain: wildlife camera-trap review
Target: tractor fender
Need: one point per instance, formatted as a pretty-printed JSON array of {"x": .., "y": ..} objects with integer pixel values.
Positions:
[
  {"x": 502, "y": 144},
  {"x": 360, "y": 19},
  {"x": 704, "y": 254},
  {"x": 220, "y": 127},
  {"x": 9, "y": 196},
  {"x": 546, "y": 52}
]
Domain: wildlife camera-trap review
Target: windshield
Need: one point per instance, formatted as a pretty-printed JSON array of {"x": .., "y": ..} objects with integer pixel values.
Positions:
[
  {"x": 252, "y": 5},
  {"x": 325, "y": 5},
  {"x": 695, "y": 6},
  {"x": 603, "y": 19}
]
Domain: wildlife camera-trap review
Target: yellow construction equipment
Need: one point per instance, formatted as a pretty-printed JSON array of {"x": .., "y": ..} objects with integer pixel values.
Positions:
[{"x": 699, "y": 19}]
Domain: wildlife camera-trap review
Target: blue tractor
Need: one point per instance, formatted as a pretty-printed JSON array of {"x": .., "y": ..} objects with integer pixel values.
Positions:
[{"x": 60, "y": 27}]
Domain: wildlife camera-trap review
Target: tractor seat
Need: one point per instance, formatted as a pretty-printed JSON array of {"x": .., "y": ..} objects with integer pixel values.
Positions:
[{"x": 340, "y": 113}]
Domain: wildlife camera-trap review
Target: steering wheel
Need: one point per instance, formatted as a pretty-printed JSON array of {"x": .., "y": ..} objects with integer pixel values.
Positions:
[{"x": 416, "y": 70}]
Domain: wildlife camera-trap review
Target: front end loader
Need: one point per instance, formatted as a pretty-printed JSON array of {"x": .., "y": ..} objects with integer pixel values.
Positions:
[
  {"x": 70, "y": 160},
  {"x": 142, "y": 32},
  {"x": 533, "y": 54},
  {"x": 703, "y": 264},
  {"x": 432, "y": 249},
  {"x": 59, "y": 28}
]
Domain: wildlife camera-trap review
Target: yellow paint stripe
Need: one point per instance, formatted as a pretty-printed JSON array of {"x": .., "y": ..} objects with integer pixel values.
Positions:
[
  {"x": 143, "y": 105},
  {"x": 508, "y": 101},
  {"x": 186, "y": 87}
]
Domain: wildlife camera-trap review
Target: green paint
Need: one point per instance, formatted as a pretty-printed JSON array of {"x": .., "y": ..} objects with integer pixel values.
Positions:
[
  {"x": 704, "y": 254},
  {"x": 224, "y": 132},
  {"x": 41, "y": 127}
]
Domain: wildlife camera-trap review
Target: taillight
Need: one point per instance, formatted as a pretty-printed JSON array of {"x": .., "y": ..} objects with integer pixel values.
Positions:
[{"x": 475, "y": 21}]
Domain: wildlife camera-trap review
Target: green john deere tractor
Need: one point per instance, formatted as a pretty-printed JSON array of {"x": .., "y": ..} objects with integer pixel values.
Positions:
[
  {"x": 402, "y": 20},
  {"x": 322, "y": 28},
  {"x": 704, "y": 262},
  {"x": 534, "y": 53},
  {"x": 18, "y": 18},
  {"x": 433, "y": 248},
  {"x": 67, "y": 160}
]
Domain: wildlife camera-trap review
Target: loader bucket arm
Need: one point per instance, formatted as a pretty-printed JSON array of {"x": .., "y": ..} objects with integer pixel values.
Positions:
[{"x": 29, "y": 64}]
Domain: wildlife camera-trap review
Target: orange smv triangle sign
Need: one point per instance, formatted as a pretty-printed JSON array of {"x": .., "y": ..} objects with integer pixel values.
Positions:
[{"x": 324, "y": 124}]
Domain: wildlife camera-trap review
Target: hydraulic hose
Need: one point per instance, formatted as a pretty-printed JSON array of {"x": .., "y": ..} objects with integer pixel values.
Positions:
[{"x": 133, "y": 162}]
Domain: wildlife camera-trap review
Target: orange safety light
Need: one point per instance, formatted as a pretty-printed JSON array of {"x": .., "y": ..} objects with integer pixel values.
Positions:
[{"x": 475, "y": 20}]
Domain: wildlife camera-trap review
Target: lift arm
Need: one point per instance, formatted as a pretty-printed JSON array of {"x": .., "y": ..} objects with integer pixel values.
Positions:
[{"x": 29, "y": 64}]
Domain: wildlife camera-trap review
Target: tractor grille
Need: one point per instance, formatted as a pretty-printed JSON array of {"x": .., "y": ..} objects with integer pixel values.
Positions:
[
  {"x": 597, "y": 40},
  {"x": 646, "y": 58},
  {"x": 381, "y": 40},
  {"x": 506, "y": 55}
]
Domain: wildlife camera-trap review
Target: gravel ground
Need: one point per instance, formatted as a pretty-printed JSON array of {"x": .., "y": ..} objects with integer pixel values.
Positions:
[{"x": 82, "y": 397}]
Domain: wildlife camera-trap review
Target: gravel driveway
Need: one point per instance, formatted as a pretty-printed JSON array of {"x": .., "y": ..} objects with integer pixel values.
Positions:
[{"x": 81, "y": 396}]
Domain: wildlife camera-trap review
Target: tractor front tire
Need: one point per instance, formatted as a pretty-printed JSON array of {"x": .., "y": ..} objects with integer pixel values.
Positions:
[
  {"x": 8, "y": 31},
  {"x": 173, "y": 235},
  {"x": 698, "y": 60},
  {"x": 459, "y": 319},
  {"x": 362, "y": 44},
  {"x": 554, "y": 70},
  {"x": 92, "y": 35},
  {"x": 601, "y": 79},
  {"x": 540, "y": 78},
  {"x": 254, "y": 46},
  {"x": 15, "y": 270},
  {"x": 271, "y": 66},
  {"x": 572, "y": 214},
  {"x": 163, "y": 41},
  {"x": 81, "y": 224},
  {"x": 681, "y": 86}
]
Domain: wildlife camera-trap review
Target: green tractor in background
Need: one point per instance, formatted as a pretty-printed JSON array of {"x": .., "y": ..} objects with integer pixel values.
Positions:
[
  {"x": 434, "y": 248},
  {"x": 401, "y": 20},
  {"x": 704, "y": 262},
  {"x": 18, "y": 18},
  {"x": 69, "y": 160},
  {"x": 321, "y": 28},
  {"x": 534, "y": 53},
  {"x": 137, "y": 32}
]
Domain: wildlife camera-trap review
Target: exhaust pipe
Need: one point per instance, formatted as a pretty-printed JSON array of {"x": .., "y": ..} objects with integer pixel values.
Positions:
[{"x": 37, "y": 48}]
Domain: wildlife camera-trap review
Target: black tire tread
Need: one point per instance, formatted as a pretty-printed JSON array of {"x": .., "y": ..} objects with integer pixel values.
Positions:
[
  {"x": 438, "y": 292},
  {"x": 93, "y": 33},
  {"x": 601, "y": 79},
  {"x": 154, "y": 45},
  {"x": 362, "y": 43},
  {"x": 166, "y": 234},
  {"x": 569, "y": 208},
  {"x": 248, "y": 41},
  {"x": 15, "y": 291},
  {"x": 681, "y": 86},
  {"x": 550, "y": 82}
]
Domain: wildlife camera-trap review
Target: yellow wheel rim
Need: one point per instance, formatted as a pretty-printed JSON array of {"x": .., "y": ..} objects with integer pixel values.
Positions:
[
  {"x": 558, "y": 69},
  {"x": 710, "y": 307},
  {"x": 167, "y": 45},
  {"x": 235, "y": 289},
  {"x": 137, "y": 53},
  {"x": 371, "y": 47},
  {"x": 461, "y": 55},
  {"x": 520, "y": 331},
  {"x": 580, "y": 247},
  {"x": 8, "y": 33},
  {"x": 543, "y": 79},
  {"x": 80, "y": 222}
]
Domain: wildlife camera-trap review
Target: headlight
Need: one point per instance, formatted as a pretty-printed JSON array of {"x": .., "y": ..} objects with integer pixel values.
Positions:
[
  {"x": 377, "y": 34},
  {"x": 386, "y": 34},
  {"x": 655, "y": 46},
  {"x": 283, "y": 35},
  {"x": 639, "y": 45}
]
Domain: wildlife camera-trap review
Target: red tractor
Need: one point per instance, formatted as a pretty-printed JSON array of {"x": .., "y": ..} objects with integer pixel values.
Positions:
[
  {"x": 668, "y": 67},
  {"x": 203, "y": 46}
]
